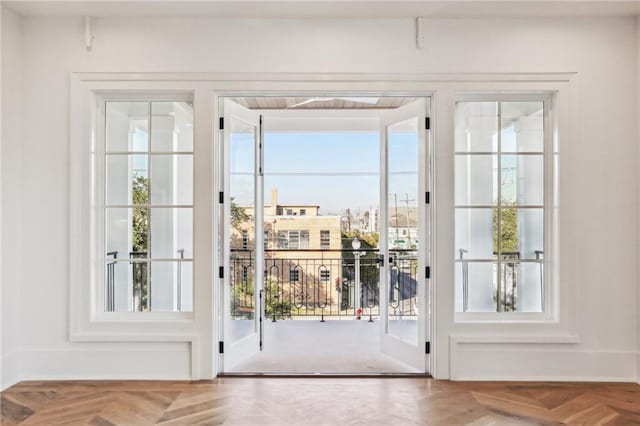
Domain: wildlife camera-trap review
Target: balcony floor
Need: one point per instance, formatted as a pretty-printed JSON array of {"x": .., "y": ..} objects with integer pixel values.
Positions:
[{"x": 335, "y": 346}]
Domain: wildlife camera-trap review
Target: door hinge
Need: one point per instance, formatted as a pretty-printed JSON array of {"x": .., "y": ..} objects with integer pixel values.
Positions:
[
  {"x": 427, "y": 347},
  {"x": 221, "y": 272},
  {"x": 427, "y": 123},
  {"x": 221, "y": 123},
  {"x": 427, "y": 197},
  {"x": 221, "y": 197},
  {"x": 221, "y": 347},
  {"x": 427, "y": 272}
]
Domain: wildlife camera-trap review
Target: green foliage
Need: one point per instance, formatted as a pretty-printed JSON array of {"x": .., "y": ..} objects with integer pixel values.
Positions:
[
  {"x": 371, "y": 240},
  {"x": 140, "y": 240},
  {"x": 508, "y": 231},
  {"x": 140, "y": 228},
  {"x": 276, "y": 301},
  {"x": 238, "y": 215}
]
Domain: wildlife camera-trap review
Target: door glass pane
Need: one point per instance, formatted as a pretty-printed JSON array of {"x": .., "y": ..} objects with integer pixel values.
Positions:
[
  {"x": 402, "y": 213},
  {"x": 240, "y": 294}
]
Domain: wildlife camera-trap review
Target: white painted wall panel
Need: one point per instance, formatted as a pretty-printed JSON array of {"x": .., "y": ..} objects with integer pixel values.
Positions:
[
  {"x": 602, "y": 183},
  {"x": 12, "y": 223}
]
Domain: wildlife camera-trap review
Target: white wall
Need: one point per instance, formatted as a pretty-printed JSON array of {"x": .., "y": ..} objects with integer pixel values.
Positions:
[
  {"x": 601, "y": 185},
  {"x": 638, "y": 129},
  {"x": 11, "y": 158}
]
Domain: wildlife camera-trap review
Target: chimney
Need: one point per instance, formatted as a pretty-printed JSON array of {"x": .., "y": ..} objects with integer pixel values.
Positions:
[{"x": 274, "y": 197}]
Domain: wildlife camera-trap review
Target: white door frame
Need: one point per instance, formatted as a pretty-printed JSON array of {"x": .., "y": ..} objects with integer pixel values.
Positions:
[{"x": 426, "y": 232}]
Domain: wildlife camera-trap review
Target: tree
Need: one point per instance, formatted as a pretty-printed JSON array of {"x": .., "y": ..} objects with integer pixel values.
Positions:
[
  {"x": 140, "y": 241},
  {"x": 238, "y": 215}
]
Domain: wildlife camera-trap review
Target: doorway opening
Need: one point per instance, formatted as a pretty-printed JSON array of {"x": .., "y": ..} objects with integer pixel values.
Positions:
[{"x": 326, "y": 239}]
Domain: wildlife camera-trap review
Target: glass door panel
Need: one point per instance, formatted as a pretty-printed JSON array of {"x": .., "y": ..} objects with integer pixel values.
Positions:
[
  {"x": 243, "y": 275},
  {"x": 403, "y": 233}
]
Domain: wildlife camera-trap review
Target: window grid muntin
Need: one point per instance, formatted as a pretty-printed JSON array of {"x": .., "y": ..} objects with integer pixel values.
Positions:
[
  {"x": 149, "y": 259},
  {"x": 499, "y": 206}
]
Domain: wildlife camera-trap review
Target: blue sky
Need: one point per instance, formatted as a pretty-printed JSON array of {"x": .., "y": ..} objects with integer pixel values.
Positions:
[{"x": 333, "y": 170}]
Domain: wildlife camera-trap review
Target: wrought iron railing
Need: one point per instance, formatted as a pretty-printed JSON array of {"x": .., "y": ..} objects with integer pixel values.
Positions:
[
  {"x": 140, "y": 285},
  {"x": 110, "y": 283},
  {"x": 322, "y": 284}
]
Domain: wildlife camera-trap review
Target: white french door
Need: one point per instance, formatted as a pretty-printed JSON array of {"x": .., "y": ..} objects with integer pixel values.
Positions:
[
  {"x": 404, "y": 240},
  {"x": 403, "y": 226},
  {"x": 243, "y": 239}
]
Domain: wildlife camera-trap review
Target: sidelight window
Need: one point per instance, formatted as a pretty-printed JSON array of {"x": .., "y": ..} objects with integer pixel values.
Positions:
[
  {"x": 148, "y": 205},
  {"x": 500, "y": 206}
]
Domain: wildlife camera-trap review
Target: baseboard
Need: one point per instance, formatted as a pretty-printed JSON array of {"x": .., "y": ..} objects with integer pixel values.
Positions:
[
  {"x": 98, "y": 364},
  {"x": 10, "y": 370},
  {"x": 535, "y": 362}
]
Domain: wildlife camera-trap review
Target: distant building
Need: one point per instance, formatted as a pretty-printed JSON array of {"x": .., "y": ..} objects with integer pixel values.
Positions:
[
  {"x": 403, "y": 228},
  {"x": 298, "y": 244}
]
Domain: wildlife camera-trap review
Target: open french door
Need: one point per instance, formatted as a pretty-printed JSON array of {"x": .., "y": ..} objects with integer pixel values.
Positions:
[
  {"x": 243, "y": 273},
  {"x": 404, "y": 239}
]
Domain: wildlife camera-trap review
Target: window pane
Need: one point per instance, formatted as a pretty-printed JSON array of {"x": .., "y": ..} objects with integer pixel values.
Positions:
[
  {"x": 475, "y": 287},
  {"x": 171, "y": 179},
  {"x": 118, "y": 286},
  {"x": 522, "y": 232},
  {"x": 530, "y": 287},
  {"x": 475, "y": 230},
  {"x": 171, "y": 231},
  {"x": 476, "y": 180},
  {"x": 171, "y": 126},
  {"x": 523, "y": 180},
  {"x": 127, "y": 126},
  {"x": 476, "y": 127},
  {"x": 127, "y": 230},
  {"x": 127, "y": 180},
  {"x": 171, "y": 286},
  {"x": 522, "y": 126}
]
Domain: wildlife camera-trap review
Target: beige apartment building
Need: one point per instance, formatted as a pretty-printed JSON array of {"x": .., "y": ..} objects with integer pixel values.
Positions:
[{"x": 302, "y": 252}]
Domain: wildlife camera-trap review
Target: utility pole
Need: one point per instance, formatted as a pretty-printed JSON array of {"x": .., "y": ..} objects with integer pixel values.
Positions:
[{"x": 407, "y": 200}]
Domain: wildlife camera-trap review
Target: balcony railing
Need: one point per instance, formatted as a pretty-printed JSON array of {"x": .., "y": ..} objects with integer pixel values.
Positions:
[
  {"x": 505, "y": 277},
  {"x": 322, "y": 284}
]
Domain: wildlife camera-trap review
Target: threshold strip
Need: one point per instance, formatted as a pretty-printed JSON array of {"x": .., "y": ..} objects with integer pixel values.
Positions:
[{"x": 326, "y": 375}]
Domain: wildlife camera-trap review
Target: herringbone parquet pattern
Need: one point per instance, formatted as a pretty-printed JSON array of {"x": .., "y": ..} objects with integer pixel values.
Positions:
[{"x": 321, "y": 401}]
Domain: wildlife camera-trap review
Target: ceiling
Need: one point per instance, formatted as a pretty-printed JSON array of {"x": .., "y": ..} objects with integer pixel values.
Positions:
[{"x": 324, "y": 8}]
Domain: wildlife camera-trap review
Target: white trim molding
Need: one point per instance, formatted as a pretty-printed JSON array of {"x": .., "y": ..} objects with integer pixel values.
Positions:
[
  {"x": 201, "y": 329},
  {"x": 539, "y": 358}
]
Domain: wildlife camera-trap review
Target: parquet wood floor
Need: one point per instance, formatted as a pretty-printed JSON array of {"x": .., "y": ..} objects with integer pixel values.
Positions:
[{"x": 319, "y": 401}]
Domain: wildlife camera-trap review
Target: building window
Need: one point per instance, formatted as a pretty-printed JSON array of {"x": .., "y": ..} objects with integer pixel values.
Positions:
[
  {"x": 283, "y": 240},
  {"x": 325, "y": 275},
  {"x": 500, "y": 206},
  {"x": 279, "y": 211},
  {"x": 294, "y": 275},
  {"x": 303, "y": 212},
  {"x": 148, "y": 206},
  {"x": 289, "y": 212},
  {"x": 293, "y": 240},
  {"x": 245, "y": 239},
  {"x": 325, "y": 240}
]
